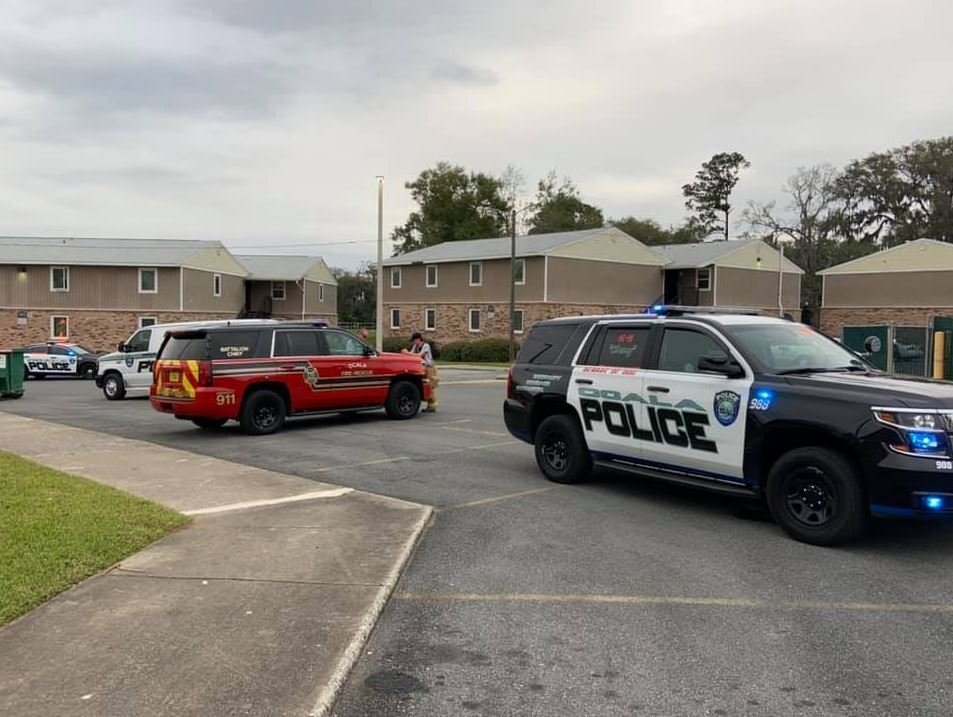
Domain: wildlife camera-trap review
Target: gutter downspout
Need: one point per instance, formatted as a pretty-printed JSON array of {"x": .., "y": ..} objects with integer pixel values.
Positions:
[
  {"x": 304, "y": 296},
  {"x": 181, "y": 289}
]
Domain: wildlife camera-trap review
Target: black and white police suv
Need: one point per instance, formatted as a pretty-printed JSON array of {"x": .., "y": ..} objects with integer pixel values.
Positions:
[
  {"x": 737, "y": 403},
  {"x": 55, "y": 359}
]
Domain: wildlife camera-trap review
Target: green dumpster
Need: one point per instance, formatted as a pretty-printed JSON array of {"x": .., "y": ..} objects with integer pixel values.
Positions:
[{"x": 11, "y": 374}]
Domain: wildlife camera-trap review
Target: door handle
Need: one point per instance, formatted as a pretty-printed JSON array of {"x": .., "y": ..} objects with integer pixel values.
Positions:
[
  {"x": 658, "y": 389},
  {"x": 584, "y": 381}
]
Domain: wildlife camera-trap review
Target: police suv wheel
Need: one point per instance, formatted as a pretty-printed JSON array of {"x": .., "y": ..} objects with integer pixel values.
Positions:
[
  {"x": 113, "y": 387},
  {"x": 403, "y": 401},
  {"x": 561, "y": 451},
  {"x": 816, "y": 497},
  {"x": 262, "y": 413},
  {"x": 87, "y": 371},
  {"x": 210, "y": 424}
]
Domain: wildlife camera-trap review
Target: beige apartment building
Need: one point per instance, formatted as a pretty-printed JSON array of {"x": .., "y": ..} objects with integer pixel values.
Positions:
[
  {"x": 459, "y": 290},
  {"x": 289, "y": 287}
]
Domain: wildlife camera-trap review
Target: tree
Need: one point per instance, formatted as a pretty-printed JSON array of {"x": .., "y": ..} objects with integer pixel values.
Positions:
[
  {"x": 649, "y": 231},
  {"x": 453, "y": 205},
  {"x": 902, "y": 194},
  {"x": 708, "y": 196},
  {"x": 357, "y": 294},
  {"x": 560, "y": 209}
]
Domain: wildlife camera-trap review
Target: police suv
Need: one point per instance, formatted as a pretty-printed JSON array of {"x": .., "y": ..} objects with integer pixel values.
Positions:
[
  {"x": 56, "y": 359},
  {"x": 737, "y": 403}
]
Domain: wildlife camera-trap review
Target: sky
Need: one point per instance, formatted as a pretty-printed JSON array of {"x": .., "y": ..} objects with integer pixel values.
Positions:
[{"x": 263, "y": 123}]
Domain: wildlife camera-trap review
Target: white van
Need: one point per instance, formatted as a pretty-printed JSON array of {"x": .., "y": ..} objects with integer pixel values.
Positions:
[{"x": 129, "y": 370}]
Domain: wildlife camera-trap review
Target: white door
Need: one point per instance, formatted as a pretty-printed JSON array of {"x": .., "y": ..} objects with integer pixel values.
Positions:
[
  {"x": 138, "y": 360},
  {"x": 606, "y": 389},
  {"x": 698, "y": 419}
]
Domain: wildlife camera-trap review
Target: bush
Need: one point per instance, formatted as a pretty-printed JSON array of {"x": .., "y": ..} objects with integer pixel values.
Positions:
[
  {"x": 395, "y": 344},
  {"x": 480, "y": 351}
]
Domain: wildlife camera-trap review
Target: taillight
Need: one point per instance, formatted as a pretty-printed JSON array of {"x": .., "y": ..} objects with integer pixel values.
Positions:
[
  {"x": 205, "y": 373},
  {"x": 510, "y": 384}
]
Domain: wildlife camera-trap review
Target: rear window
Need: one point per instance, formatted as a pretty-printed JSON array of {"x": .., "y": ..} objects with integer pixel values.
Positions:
[
  {"x": 551, "y": 344},
  {"x": 201, "y": 346}
]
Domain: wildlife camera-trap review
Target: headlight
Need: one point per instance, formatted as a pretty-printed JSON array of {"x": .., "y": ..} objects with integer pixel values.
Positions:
[
  {"x": 924, "y": 432},
  {"x": 911, "y": 421}
]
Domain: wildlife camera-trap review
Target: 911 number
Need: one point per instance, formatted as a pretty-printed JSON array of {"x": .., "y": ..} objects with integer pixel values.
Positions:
[{"x": 944, "y": 465}]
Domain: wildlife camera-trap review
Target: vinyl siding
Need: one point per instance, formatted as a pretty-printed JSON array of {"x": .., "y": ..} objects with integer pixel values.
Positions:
[
  {"x": 90, "y": 287},
  {"x": 889, "y": 289},
  {"x": 581, "y": 281},
  {"x": 756, "y": 288},
  {"x": 199, "y": 292},
  {"x": 453, "y": 283},
  {"x": 328, "y": 306}
]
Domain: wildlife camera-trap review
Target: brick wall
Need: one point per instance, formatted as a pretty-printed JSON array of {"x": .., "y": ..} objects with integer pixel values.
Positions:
[
  {"x": 834, "y": 320},
  {"x": 96, "y": 330}
]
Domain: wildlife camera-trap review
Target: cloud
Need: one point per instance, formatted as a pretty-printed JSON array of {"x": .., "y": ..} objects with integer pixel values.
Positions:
[{"x": 464, "y": 74}]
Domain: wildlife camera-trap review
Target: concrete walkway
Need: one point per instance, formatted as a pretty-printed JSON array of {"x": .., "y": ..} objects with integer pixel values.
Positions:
[{"x": 258, "y": 608}]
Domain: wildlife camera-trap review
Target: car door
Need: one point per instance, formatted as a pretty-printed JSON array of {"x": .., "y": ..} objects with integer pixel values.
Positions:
[
  {"x": 62, "y": 361},
  {"x": 303, "y": 368},
  {"x": 606, "y": 388},
  {"x": 358, "y": 379},
  {"x": 138, "y": 360},
  {"x": 697, "y": 418}
]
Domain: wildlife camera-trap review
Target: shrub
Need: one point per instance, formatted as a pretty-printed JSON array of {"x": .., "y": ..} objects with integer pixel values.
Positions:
[{"x": 479, "y": 351}]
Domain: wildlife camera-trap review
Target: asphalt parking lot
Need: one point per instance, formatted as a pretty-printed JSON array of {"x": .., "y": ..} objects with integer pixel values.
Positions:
[{"x": 618, "y": 597}]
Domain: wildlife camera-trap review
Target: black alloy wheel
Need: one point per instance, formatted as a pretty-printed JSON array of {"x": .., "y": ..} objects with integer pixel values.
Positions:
[
  {"x": 263, "y": 412},
  {"x": 87, "y": 371},
  {"x": 403, "y": 401},
  {"x": 561, "y": 451}
]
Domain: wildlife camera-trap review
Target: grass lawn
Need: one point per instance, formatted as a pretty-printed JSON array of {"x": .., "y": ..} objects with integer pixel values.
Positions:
[{"x": 57, "y": 529}]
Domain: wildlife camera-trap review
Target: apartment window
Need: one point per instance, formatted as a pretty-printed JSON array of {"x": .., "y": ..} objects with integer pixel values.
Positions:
[
  {"x": 59, "y": 278},
  {"x": 320, "y": 292},
  {"x": 148, "y": 281},
  {"x": 474, "y": 320},
  {"x": 395, "y": 318},
  {"x": 395, "y": 278},
  {"x": 432, "y": 276},
  {"x": 59, "y": 327},
  {"x": 278, "y": 291},
  {"x": 518, "y": 321},
  {"x": 430, "y": 320},
  {"x": 216, "y": 284},
  {"x": 519, "y": 272},
  {"x": 704, "y": 279},
  {"x": 476, "y": 273},
  {"x": 145, "y": 321}
]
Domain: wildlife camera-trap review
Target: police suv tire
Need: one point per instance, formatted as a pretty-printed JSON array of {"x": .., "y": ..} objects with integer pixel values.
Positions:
[
  {"x": 815, "y": 482},
  {"x": 87, "y": 370},
  {"x": 561, "y": 451},
  {"x": 403, "y": 401},
  {"x": 114, "y": 389},
  {"x": 210, "y": 424},
  {"x": 263, "y": 412}
]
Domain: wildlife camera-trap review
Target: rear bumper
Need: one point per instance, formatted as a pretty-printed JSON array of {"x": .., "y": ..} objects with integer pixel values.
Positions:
[
  {"x": 516, "y": 416},
  {"x": 208, "y": 403}
]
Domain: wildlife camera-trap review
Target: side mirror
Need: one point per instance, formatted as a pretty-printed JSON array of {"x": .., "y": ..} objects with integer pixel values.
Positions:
[
  {"x": 722, "y": 364},
  {"x": 121, "y": 348}
]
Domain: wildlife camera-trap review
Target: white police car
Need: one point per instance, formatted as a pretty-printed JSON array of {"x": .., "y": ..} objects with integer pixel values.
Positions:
[{"x": 54, "y": 359}]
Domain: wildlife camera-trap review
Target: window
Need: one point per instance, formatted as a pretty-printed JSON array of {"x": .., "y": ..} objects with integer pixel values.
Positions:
[
  {"x": 59, "y": 278},
  {"x": 545, "y": 343},
  {"x": 59, "y": 327},
  {"x": 474, "y": 320},
  {"x": 476, "y": 274},
  {"x": 430, "y": 320},
  {"x": 216, "y": 284},
  {"x": 147, "y": 321},
  {"x": 624, "y": 346},
  {"x": 139, "y": 341},
  {"x": 432, "y": 276},
  {"x": 518, "y": 321},
  {"x": 320, "y": 292},
  {"x": 59, "y": 351},
  {"x": 297, "y": 343},
  {"x": 395, "y": 318},
  {"x": 341, "y": 344},
  {"x": 789, "y": 346},
  {"x": 395, "y": 277},
  {"x": 148, "y": 281},
  {"x": 682, "y": 348},
  {"x": 278, "y": 291},
  {"x": 704, "y": 279},
  {"x": 519, "y": 272}
]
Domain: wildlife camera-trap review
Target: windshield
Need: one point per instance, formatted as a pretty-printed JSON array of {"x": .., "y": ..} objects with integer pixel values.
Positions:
[
  {"x": 80, "y": 349},
  {"x": 793, "y": 348}
]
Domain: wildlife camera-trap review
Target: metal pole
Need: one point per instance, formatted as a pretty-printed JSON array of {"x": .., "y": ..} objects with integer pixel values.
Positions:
[
  {"x": 780, "y": 279},
  {"x": 512, "y": 282},
  {"x": 380, "y": 265}
]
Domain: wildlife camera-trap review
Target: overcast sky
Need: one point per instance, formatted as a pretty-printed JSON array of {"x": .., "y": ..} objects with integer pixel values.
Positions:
[{"x": 264, "y": 122}]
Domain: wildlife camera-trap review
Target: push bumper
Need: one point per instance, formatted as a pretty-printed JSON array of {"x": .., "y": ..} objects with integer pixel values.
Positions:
[{"x": 911, "y": 486}]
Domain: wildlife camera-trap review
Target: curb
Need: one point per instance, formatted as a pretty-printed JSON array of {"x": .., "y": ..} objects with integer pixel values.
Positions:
[{"x": 330, "y": 690}]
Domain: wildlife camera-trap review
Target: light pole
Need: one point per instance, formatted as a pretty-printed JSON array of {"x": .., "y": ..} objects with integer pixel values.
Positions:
[
  {"x": 512, "y": 282},
  {"x": 379, "y": 333}
]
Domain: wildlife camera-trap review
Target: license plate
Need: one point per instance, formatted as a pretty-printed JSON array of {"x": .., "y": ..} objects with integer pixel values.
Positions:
[{"x": 174, "y": 376}]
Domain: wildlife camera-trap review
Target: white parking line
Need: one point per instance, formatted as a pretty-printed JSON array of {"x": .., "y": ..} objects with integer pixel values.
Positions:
[{"x": 314, "y": 495}]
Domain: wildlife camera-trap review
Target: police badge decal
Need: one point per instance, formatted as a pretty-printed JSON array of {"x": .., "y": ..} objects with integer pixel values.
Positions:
[{"x": 727, "y": 404}]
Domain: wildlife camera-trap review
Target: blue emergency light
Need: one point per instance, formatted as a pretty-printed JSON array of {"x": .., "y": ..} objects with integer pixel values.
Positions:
[{"x": 934, "y": 502}]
